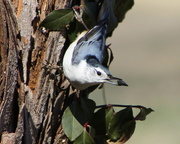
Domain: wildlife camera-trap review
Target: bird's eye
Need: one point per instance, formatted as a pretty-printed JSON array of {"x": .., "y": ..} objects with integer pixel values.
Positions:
[{"x": 98, "y": 73}]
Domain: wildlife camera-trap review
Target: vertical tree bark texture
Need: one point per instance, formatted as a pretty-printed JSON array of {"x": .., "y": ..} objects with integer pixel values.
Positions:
[{"x": 32, "y": 95}]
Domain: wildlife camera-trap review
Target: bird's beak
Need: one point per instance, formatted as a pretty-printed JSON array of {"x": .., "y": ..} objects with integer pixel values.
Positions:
[{"x": 116, "y": 81}]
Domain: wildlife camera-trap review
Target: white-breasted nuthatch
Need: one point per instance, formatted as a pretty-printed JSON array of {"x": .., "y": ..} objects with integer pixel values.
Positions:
[{"x": 82, "y": 62}]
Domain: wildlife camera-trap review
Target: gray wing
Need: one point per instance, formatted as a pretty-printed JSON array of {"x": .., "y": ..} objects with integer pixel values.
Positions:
[{"x": 91, "y": 44}]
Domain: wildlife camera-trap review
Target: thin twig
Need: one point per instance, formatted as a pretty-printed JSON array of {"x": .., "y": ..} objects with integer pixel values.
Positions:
[{"x": 118, "y": 105}]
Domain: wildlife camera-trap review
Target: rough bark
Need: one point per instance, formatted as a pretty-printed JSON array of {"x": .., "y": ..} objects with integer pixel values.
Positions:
[{"x": 32, "y": 95}]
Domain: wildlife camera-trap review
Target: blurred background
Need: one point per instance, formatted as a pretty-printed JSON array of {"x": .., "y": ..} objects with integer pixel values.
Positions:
[{"x": 146, "y": 47}]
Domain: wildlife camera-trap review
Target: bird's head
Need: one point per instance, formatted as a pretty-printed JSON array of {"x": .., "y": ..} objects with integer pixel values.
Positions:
[{"x": 100, "y": 74}]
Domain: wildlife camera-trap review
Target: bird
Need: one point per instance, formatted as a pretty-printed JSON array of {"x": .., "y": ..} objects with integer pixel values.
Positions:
[{"x": 82, "y": 61}]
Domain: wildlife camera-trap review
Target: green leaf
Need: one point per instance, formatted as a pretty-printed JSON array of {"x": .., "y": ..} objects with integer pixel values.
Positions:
[
  {"x": 122, "y": 125},
  {"x": 72, "y": 31},
  {"x": 84, "y": 138},
  {"x": 78, "y": 112},
  {"x": 127, "y": 130},
  {"x": 143, "y": 113},
  {"x": 121, "y": 7},
  {"x": 90, "y": 130},
  {"x": 88, "y": 106},
  {"x": 57, "y": 19},
  {"x": 101, "y": 120},
  {"x": 72, "y": 128},
  {"x": 76, "y": 115}
]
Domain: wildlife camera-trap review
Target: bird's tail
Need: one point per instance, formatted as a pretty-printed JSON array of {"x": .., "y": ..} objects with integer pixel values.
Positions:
[
  {"x": 98, "y": 32},
  {"x": 107, "y": 12},
  {"x": 103, "y": 12}
]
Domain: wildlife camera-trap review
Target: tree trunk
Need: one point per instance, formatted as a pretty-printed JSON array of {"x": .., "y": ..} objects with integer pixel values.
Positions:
[{"x": 33, "y": 96}]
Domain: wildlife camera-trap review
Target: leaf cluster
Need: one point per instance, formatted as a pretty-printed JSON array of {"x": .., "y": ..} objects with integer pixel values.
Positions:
[
  {"x": 83, "y": 124},
  {"x": 92, "y": 11}
]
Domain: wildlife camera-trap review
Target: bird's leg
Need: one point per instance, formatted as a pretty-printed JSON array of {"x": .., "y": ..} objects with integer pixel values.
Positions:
[
  {"x": 110, "y": 55},
  {"x": 78, "y": 12},
  {"x": 108, "y": 46},
  {"x": 49, "y": 67}
]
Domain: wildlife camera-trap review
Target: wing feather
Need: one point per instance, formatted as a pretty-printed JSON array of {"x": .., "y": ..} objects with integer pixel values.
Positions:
[{"x": 92, "y": 43}]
